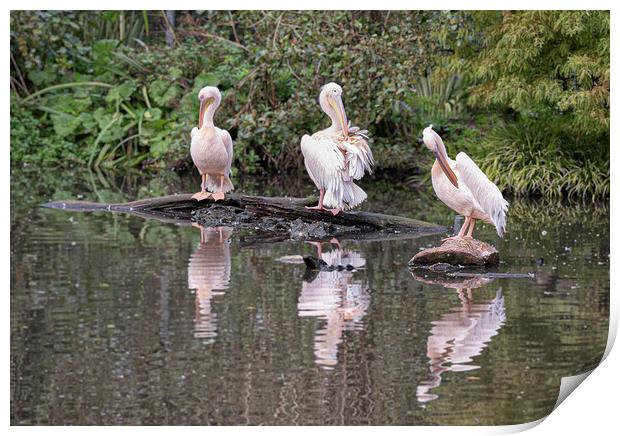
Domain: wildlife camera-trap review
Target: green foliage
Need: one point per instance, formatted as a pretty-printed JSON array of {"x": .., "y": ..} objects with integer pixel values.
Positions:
[
  {"x": 548, "y": 73},
  {"x": 523, "y": 158},
  {"x": 440, "y": 97},
  {"x": 548, "y": 61},
  {"x": 104, "y": 90},
  {"x": 269, "y": 85}
]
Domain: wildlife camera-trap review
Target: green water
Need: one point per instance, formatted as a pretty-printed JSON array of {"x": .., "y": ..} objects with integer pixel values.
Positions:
[{"x": 120, "y": 320}]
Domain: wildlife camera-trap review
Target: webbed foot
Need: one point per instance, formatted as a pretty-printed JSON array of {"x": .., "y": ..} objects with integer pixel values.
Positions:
[
  {"x": 202, "y": 195},
  {"x": 218, "y": 196}
]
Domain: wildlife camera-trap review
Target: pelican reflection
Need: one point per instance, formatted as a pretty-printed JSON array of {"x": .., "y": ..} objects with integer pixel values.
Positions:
[
  {"x": 208, "y": 273},
  {"x": 461, "y": 334},
  {"x": 335, "y": 296}
]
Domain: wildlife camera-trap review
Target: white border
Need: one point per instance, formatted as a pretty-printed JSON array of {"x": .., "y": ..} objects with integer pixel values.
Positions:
[{"x": 590, "y": 410}]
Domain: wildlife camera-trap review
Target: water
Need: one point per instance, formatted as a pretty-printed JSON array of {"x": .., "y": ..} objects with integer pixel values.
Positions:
[{"x": 120, "y": 320}]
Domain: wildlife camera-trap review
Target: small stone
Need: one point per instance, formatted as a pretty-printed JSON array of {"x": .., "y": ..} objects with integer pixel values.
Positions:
[{"x": 467, "y": 252}]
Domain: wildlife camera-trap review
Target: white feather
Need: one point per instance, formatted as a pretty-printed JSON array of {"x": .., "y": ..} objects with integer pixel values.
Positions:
[
  {"x": 227, "y": 139},
  {"x": 485, "y": 192},
  {"x": 327, "y": 168},
  {"x": 358, "y": 158}
]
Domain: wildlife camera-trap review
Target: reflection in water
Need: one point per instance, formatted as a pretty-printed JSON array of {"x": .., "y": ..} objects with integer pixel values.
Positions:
[
  {"x": 461, "y": 334},
  {"x": 337, "y": 298},
  {"x": 208, "y": 272}
]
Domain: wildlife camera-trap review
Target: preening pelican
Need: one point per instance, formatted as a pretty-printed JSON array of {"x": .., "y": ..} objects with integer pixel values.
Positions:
[
  {"x": 336, "y": 297},
  {"x": 464, "y": 188},
  {"x": 337, "y": 156},
  {"x": 212, "y": 148}
]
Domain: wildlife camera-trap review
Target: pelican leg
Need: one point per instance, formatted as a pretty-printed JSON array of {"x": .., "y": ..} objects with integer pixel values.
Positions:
[
  {"x": 320, "y": 205},
  {"x": 470, "y": 232},
  {"x": 461, "y": 233},
  {"x": 336, "y": 242},
  {"x": 203, "y": 194},
  {"x": 319, "y": 248},
  {"x": 220, "y": 195}
]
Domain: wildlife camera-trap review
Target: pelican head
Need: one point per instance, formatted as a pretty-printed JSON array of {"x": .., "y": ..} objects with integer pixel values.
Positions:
[
  {"x": 435, "y": 144},
  {"x": 331, "y": 103},
  {"x": 208, "y": 96}
]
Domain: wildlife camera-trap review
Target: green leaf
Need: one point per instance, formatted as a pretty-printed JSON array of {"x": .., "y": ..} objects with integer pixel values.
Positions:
[
  {"x": 205, "y": 79},
  {"x": 42, "y": 77},
  {"x": 122, "y": 92},
  {"x": 153, "y": 114},
  {"x": 163, "y": 93},
  {"x": 65, "y": 124},
  {"x": 69, "y": 104},
  {"x": 176, "y": 73},
  {"x": 160, "y": 144}
]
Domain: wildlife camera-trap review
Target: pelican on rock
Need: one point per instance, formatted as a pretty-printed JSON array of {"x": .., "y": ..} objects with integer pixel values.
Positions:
[
  {"x": 211, "y": 149},
  {"x": 464, "y": 188},
  {"x": 337, "y": 156}
]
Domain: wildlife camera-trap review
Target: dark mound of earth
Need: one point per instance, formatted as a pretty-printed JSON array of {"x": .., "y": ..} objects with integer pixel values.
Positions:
[{"x": 231, "y": 216}]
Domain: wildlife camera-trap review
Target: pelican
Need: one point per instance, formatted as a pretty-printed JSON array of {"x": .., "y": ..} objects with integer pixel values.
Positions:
[
  {"x": 336, "y": 156},
  {"x": 464, "y": 188},
  {"x": 459, "y": 336},
  {"x": 208, "y": 272},
  {"x": 211, "y": 149},
  {"x": 337, "y": 298}
]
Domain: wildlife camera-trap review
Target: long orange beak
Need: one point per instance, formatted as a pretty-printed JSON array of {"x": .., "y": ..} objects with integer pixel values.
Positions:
[
  {"x": 342, "y": 116},
  {"x": 201, "y": 114},
  {"x": 445, "y": 166}
]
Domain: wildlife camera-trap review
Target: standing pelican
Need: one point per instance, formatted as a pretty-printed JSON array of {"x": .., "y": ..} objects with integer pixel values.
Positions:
[
  {"x": 212, "y": 148},
  {"x": 464, "y": 188},
  {"x": 337, "y": 156}
]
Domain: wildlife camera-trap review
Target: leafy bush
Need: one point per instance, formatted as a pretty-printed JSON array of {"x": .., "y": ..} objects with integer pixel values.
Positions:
[
  {"x": 524, "y": 159},
  {"x": 104, "y": 89},
  {"x": 270, "y": 73}
]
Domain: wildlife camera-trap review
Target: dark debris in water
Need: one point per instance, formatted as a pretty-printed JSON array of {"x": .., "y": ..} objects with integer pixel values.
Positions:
[
  {"x": 220, "y": 215},
  {"x": 317, "y": 264}
]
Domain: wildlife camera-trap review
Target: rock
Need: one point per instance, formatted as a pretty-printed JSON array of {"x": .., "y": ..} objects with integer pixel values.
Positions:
[{"x": 466, "y": 252}]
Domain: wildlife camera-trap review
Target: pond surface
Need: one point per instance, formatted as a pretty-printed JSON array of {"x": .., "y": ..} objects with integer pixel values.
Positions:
[{"x": 120, "y": 320}]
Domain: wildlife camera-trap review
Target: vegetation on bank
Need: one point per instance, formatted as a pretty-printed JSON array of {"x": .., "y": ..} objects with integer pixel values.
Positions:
[{"x": 525, "y": 93}]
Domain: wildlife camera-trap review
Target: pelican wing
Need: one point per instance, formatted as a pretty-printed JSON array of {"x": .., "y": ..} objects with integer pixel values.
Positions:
[
  {"x": 325, "y": 163},
  {"x": 358, "y": 157},
  {"x": 226, "y": 138},
  {"x": 484, "y": 191}
]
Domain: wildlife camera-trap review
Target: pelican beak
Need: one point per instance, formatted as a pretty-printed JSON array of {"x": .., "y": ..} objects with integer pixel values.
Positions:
[
  {"x": 204, "y": 104},
  {"x": 342, "y": 116},
  {"x": 445, "y": 166}
]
